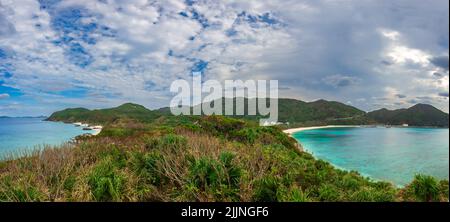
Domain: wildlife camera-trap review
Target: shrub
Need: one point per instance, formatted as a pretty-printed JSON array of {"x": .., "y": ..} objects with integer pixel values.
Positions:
[
  {"x": 219, "y": 178},
  {"x": 117, "y": 155},
  {"x": 233, "y": 173},
  {"x": 350, "y": 182},
  {"x": 425, "y": 188},
  {"x": 221, "y": 125},
  {"x": 443, "y": 186},
  {"x": 19, "y": 192},
  {"x": 292, "y": 194},
  {"x": 106, "y": 182},
  {"x": 266, "y": 189},
  {"x": 328, "y": 193},
  {"x": 246, "y": 135},
  {"x": 372, "y": 195},
  {"x": 150, "y": 143},
  {"x": 173, "y": 142},
  {"x": 116, "y": 132},
  {"x": 146, "y": 167}
]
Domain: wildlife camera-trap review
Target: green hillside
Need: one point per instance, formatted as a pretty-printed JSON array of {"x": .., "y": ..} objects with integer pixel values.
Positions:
[
  {"x": 295, "y": 112},
  {"x": 418, "y": 115},
  {"x": 101, "y": 116}
]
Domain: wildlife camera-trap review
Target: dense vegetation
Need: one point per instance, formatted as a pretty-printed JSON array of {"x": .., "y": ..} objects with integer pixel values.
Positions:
[
  {"x": 294, "y": 112},
  {"x": 418, "y": 115},
  {"x": 103, "y": 116},
  {"x": 208, "y": 158}
]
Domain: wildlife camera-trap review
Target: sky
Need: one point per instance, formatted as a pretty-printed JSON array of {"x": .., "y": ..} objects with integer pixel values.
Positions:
[{"x": 370, "y": 54}]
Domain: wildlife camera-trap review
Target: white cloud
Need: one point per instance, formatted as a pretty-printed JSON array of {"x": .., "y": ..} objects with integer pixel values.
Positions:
[{"x": 310, "y": 42}]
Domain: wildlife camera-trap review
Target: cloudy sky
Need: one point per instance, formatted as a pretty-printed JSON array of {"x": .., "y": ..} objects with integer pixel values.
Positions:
[{"x": 371, "y": 54}]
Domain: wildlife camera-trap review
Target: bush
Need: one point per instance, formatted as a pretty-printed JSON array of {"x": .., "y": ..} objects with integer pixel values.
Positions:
[
  {"x": 219, "y": 178},
  {"x": 266, "y": 189},
  {"x": 117, "y": 155},
  {"x": 233, "y": 173},
  {"x": 21, "y": 191},
  {"x": 293, "y": 194},
  {"x": 173, "y": 142},
  {"x": 106, "y": 182},
  {"x": 170, "y": 141},
  {"x": 372, "y": 195},
  {"x": 146, "y": 167},
  {"x": 328, "y": 193},
  {"x": 349, "y": 182},
  {"x": 116, "y": 132},
  {"x": 246, "y": 135},
  {"x": 425, "y": 188}
]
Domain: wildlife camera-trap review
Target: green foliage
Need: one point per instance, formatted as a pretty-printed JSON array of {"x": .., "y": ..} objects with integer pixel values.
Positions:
[
  {"x": 106, "y": 182},
  {"x": 366, "y": 194},
  {"x": 217, "y": 177},
  {"x": 169, "y": 142},
  {"x": 418, "y": 115},
  {"x": 103, "y": 116},
  {"x": 117, "y": 132},
  {"x": 266, "y": 189},
  {"x": 425, "y": 188},
  {"x": 328, "y": 192},
  {"x": 173, "y": 142},
  {"x": 220, "y": 125},
  {"x": 10, "y": 191},
  {"x": 146, "y": 166}
]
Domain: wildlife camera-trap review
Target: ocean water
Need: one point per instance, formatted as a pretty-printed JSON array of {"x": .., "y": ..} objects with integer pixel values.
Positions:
[
  {"x": 389, "y": 154},
  {"x": 18, "y": 134}
]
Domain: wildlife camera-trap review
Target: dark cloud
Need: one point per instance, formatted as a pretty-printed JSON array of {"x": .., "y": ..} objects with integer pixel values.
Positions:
[
  {"x": 386, "y": 63},
  {"x": 440, "y": 61},
  {"x": 443, "y": 94},
  {"x": 340, "y": 80},
  {"x": 438, "y": 75},
  {"x": 400, "y": 96},
  {"x": 424, "y": 98}
]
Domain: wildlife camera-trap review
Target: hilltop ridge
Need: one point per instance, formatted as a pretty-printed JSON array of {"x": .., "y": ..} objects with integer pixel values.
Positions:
[{"x": 292, "y": 111}]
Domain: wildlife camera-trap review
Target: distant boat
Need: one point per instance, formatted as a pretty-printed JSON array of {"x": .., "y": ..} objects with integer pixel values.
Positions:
[{"x": 78, "y": 124}]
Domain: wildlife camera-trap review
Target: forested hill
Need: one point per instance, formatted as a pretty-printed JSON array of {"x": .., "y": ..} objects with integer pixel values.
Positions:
[
  {"x": 295, "y": 112},
  {"x": 418, "y": 115}
]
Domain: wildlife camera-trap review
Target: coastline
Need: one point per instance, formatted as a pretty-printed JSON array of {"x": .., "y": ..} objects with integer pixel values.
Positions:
[
  {"x": 96, "y": 132},
  {"x": 299, "y": 129},
  {"x": 303, "y": 149}
]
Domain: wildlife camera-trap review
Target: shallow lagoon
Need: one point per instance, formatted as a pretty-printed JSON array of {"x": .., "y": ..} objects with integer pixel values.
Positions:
[{"x": 390, "y": 154}]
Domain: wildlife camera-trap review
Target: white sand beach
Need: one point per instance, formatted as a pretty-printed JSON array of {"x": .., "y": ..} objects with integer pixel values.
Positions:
[
  {"x": 96, "y": 132},
  {"x": 294, "y": 130}
]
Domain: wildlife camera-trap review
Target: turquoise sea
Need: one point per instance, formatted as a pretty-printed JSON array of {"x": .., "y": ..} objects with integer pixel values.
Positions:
[
  {"x": 18, "y": 134},
  {"x": 389, "y": 154}
]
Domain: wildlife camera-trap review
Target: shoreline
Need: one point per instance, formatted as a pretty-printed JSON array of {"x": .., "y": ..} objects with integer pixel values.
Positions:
[
  {"x": 299, "y": 129},
  {"x": 96, "y": 132}
]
